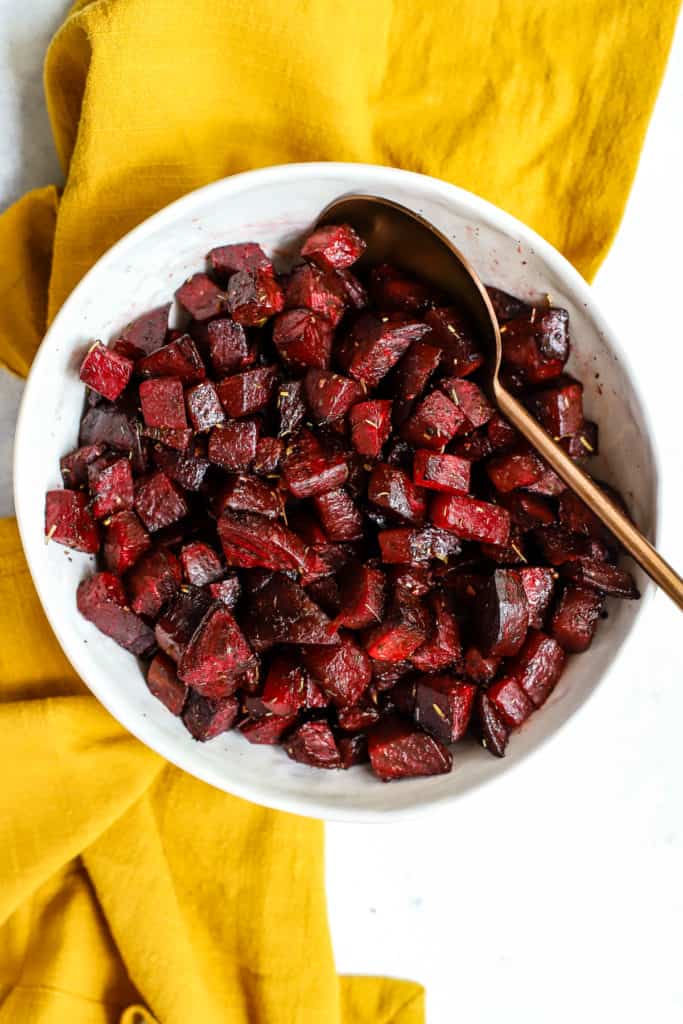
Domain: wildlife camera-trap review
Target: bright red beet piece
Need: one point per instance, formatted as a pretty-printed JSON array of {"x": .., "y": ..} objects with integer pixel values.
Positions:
[
  {"x": 433, "y": 423},
  {"x": 515, "y": 469},
  {"x": 560, "y": 409},
  {"x": 375, "y": 344},
  {"x": 186, "y": 468},
  {"x": 493, "y": 729},
  {"x": 179, "y": 440},
  {"x": 251, "y": 540},
  {"x": 180, "y": 619},
  {"x": 538, "y": 666},
  {"x": 339, "y": 515},
  {"x": 357, "y": 717},
  {"x": 269, "y": 451},
  {"x": 370, "y": 424},
  {"x": 398, "y": 750},
  {"x": 266, "y": 730},
  {"x": 439, "y": 472},
  {"x": 602, "y": 577},
  {"x": 143, "y": 335},
  {"x": 401, "y": 633},
  {"x": 313, "y": 744},
  {"x": 205, "y": 719},
  {"x": 248, "y": 494},
  {"x": 361, "y": 597},
  {"x": 163, "y": 683},
  {"x": 163, "y": 403},
  {"x": 216, "y": 654},
  {"x": 502, "y": 614},
  {"x": 254, "y": 296},
  {"x": 309, "y": 287},
  {"x": 203, "y": 405},
  {"x": 286, "y": 686},
  {"x": 232, "y": 445},
  {"x": 471, "y": 519},
  {"x": 248, "y": 392},
  {"x": 443, "y": 705},
  {"x": 308, "y": 470},
  {"x": 111, "y": 486},
  {"x": 412, "y": 376},
  {"x": 101, "y": 600},
  {"x": 153, "y": 581},
  {"x": 411, "y": 546},
  {"x": 282, "y": 612},
  {"x": 510, "y": 701},
  {"x": 538, "y": 586},
  {"x": 125, "y": 540},
  {"x": 201, "y": 297},
  {"x": 333, "y": 247},
  {"x": 469, "y": 397},
  {"x": 478, "y": 668},
  {"x": 159, "y": 502},
  {"x": 179, "y": 358},
  {"x": 442, "y": 646},
  {"x": 390, "y": 488},
  {"x": 74, "y": 466},
  {"x": 230, "y": 259},
  {"x": 461, "y": 355},
  {"x": 303, "y": 339},
  {"x": 105, "y": 371},
  {"x": 201, "y": 564},
  {"x": 343, "y": 671},
  {"x": 329, "y": 396},
  {"x": 227, "y": 591}
]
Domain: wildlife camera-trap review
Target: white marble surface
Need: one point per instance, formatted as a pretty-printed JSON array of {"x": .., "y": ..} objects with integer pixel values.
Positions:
[{"x": 555, "y": 894}]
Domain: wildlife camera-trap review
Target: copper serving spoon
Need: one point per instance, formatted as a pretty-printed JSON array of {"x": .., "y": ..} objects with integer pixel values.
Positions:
[{"x": 394, "y": 234}]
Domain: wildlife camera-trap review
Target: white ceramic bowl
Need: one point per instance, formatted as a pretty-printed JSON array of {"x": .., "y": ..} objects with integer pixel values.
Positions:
[{"x": 274, "y": 207}]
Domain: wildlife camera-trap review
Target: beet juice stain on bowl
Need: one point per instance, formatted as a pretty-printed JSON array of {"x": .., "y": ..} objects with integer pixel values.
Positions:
[{"x": 312, "y": 526}]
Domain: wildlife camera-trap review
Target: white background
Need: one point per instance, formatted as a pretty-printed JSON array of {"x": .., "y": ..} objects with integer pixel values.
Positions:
[{"x": 556, "y": 894}]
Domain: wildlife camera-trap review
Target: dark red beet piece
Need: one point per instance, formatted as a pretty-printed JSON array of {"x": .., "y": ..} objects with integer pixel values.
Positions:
[
  {"x": 314, "y": 744},
  {"x": 538, "y": 586},
  {"x": 186, "y": 468},
  {"x": 333, "y": 247},
  {"x": 558, "y": 545},
  {"x": 442, "y": 646},
  {"x": 343, "y": 672},
  {"x": 163, "y": 683},
  {"x": 357, "y": 717},
  {"x": 439, "y": 472},
  {"x": 74, "y": 467},
  {"x": 506, "y": 307},
  {"x": 577, "y": 517},
  {"x": 471, "y": 519},
  {"x": 478, "y": 668},
  {"x": 403, "y": 695},
  {"x": 303, "y": 339},
  {"x": 179, "y": 358},
  {"x": 518, "y": 468},
  {"x": 493, "y": 730},
  {"x": 101, "y": 600},
  {"x": 159, "y": 502},
  {"x": 286, "y": 685},
  {"x": 443, "y": 705},
  {"x": 250, "y": 541},
  {"x": 361, "y": 597},
  {"x": 527, "y": 510},
  {"x": 401, "y": 633},
  {"x": 411, "y": 546},
  {"x": 309, "y": 287},
  {"x": 411, "y": 580},
  {"x": 268, "y": 729},
  {"x": 370, "y": 424},
  {"x": 204, "y": 406},
  {"x": 473, "y": 447},
  {"x": 227, "y": 590},
  {"x": 153, "y": 581},
  {"x": 204, "y": 719},
  {"x": 501, "y": 433},
  {"x": 282, "y": 612},
  {"x": 291, "y": 406},
  {"x": 582, "y": 444},
  {"x": 308, "y": 470},
  {"x": 201, "y": 564},
  {"x": 375, "y": 344},
  {"x": 349, "y": 288},
  {"x": 143, "y": 335},
  {"x": 575, "y": 618},
  {"x": 248, "y": 392},
  {"x": 537, "y": 344},
  {"x": 329, "y": 396},
  {"x": 216, "y": 655},
  {"x": 180, "y": 619},
  {"x": 549, "y": 484},
  {"x": 269, "y": 451},
  {"x": 105, "y": 371},
  {"x": 107, "y": 426},
  {"x": 125, "y": 540},
  {"x": 391, "y": 289},
  {"x": 510, "y": 701},
  {"x": 469, "y": 397},
  {"x": 461, "y": 355},
  {"x": 352, "y": 750},
  {"x": 538, "y": 666},
  {"x": 398, "y": 750},
  {"x": 248, "y": 494},
  {"x": 560, "y": 409},
  {"x": 230, "y": 259},
  {"x": 512, "y": 553},
  {"x": 225, "y": 344},
  {"x": 339, "y": 515},
  {"x": 111, "y": 486},
  {"x": 602, "y": 577},
  {"x": 163, "y": 403},
  {"x": 232, "y": 445},
  {"x": 433, "y": 423},
  {"x": 392, "y": 489},
  {"x": 502, "y": 614},
  {"x": 201, "y": 297},
  {"x": 179, "y": 440}
]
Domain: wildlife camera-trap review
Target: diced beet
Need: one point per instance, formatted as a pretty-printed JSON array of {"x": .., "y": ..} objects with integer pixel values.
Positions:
[
  {"x": 472, "y": 401},
  {"x": 187, "y": 468},
  {"x": 163, "y": 403},
  {"x": 227, "y": 591},
  {"x": 473, "y": 447},
  {"x": 403, "y": 695},
  {"x": 512, "y": 553},
  {"x": 358, "y": 717},
  {"x": 232, "y": 445},
  {"x": 125, "y": 540},
  {"x": 339, "y": 515},
  {"x": 143, "y": 335},
  {"x": 411, "y": 580},
  {"x": 254, "y": 296},
  {"x": 442, "y": 646},
  {"x": 506, "y": 307},
  {"x": 375, "y": 344},
  {"x": 515, "y": 469},
  {"x": 247, "y": 392},
  {"x": 225, "y": 344},
  {"x": 392, "y": 489},
  {"x": 204, "y": 719},
  {"x": 537, "y": 344},
  {"x": 179, "y": 358},
  {"x": 412, "y": 376},
  {"x": 502, "y": 614},
  {"x": 230, "y": 259},
  {"x": 201, "y": 297},
  {"x": 180, "y": 619},
  {"x": 314, "y": 744},
  {"x": 333, "y": 247},
  {"x": 105, "y": 371},
  {"x": 349, "y": 288},
  {"x": 203, "y": 405},
  {"x": 216, "y": 655},
  {"x": 410, "y": 546},
  {"x": 269, "y": 451},
  {"x": 549, "y": 485},
  {"x": 575, "y": 618},
  {"x": 527, "y": 510},
  {"x": 559, "y": 545},
  {"x": 560, "y": 409},
  {"x": 352, "y": 750},
  {"x": 115, "y": 429},
  {"x": 291, "y": 406},
  {"x": 111, "y": 486},
  {"x": 478, "y": 668},
  {"x": 537, "y": 667},
  {"x": 266, "y": 730},
  {"x": 401, "y": 633},
  {"x": 577, "y": 517},
  {"x": 399, "y": 750},
  {"x": 179, "y": 440},
  {"x": 582, "y": 444},
  {"x": 163, "y": 683},
  {"x": 324, "y": 589},
  {"x": 159, "y": 501},
  {"x": 443, "y": 705},
  {"x": 248, "y": 494},
  {"x": 471, "y": 519},
  {"x": 433, "y": 423},
  {"x": 286, "y": 685},
  {"x": 602, "y": 577},
  {"x": 493, "y": 730},
  {"x": 250, "y": 540},
  {"x": 538, "y": 586},
  {"x": 501, "y": 433},
  {"x": 303, "y": 339},
  {"x": 461, "y": 354},
  {"x": 391, "y": 289},
  {"x": 153, "y": 581},
  {"x": 361, "y": 597},
  {"x": 308, "y": 470},
  {"x": 510, "y": 701},
  {"x": 343, "y": 671},
  {"x": 309, "y": 287},
  {"x": 440, "y": 472},
  {"x": 370, "y": 424},
  {"x": 74, "y": 466},
  {"x": 329, "y": 396},
  {"x": 201, "y": 564},
  {"x": 101, "y": 600}
]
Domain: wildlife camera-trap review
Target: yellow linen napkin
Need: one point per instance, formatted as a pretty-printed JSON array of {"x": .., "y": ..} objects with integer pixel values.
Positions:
[{"x": 123, "y": 881}]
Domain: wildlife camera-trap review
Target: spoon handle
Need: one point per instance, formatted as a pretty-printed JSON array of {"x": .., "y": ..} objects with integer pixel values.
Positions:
[{"x": 598, "y": 502}]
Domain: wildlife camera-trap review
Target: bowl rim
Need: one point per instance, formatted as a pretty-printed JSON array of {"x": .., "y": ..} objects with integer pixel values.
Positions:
[{"x": 421, "y": 184}]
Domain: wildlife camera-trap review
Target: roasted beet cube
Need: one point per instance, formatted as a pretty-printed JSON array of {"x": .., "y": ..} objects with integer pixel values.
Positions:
[
  {"x": 602, "y": 577},
  {"x": 68, "y": 521},
  {"x": 512, "y": 553},
  {"x": 286, "y": 685},
  {"x": 515, "y": 469},
  {"x": 538, "y": 586},
  {"x": 204, "y": 718},
  {"x": 506, "y": 307},
  {"x": 201, "y": 297},
  {"x": 125, "y": 540},
  {"x": 201, "y": 564},
  {"x": 349, "y": 288},
  {"x": 559, "y": 545},
  {"x": 510, "y": 701},
  {"x": 472, "y": 401},
  {"x": 433, "y": 423},
  {"x": 329, "y": 396},
  {"x": 411, "y": 546},
  {"x": 101, "y": 600},
  {"x": 528, "y": 510},
  {"x": 549, "y": 484},
  {"x": 357, "y": 717},
  {"x": 247, "y": 392},
  {"x": 107, "y": 426},
  {"x": 537, "y": 344},
  {"x": 303, "y": 339},
  {"x": 268, "y": 729},
  {"x": 230, "y": 259},
  {"x": 309, "y": 287},
  {"x": 375, "y": 344},
  {"x": 179, "y": 440},
  {"x": 333, "y": 247},
  {"x": 391, "y": 289},
  {"x": 248, "y": 494},
  {"x": 343, "y": 671},
  {"x": 111, "y": 486},
  {"x": 339, "y": 515},
  {"x": 577, "y": 517},
  {"x": 254, "y": 296},
  {"x": 74, "y": 466},
  {"x": 502, "y": 614},
  {"x": 163, "y": 683},
  {"x": 324, "y": 589},
  {"x": 361, "y": 597},
  {"x": 187, "y": 468},
  {"x": 180, "y": 619},
  {"x": 370, "y": 424},
  {"x": 501, "y": 433},
  {"x": 216, "y": 655},
  {"x": 461, "y": 354},
  {"x": 392, "y": 489},
  {"x": 250, "y": 540},
  {"x": 153, "y": 581},
  {"x": 203, "y": 405},
  {"x": 143, "y": 335},
  {"x": 560, "y": 409},
  {"x": 478, "y": 668},
  {"x": 439, "y": 472},
  {"x": 443, "y": 705},
  {"x": 163, "y": 403},
  {"x": 401, "y": 633},
  {"x": 232, "y": 445},
  {"x": 269, "y": 451},
  {"x": 473, "y": 447},
  {"x": 353, "y": 750},
  {"x": 412, "y": 376},
  {"x": 159, "y": 502},
  {"x": 227, "y": 591},
  {"x": 314, "y": 744},
  {"x": 282, "y": 612},
  {"x": 291, "y": 406},
  {"x": 308, "y": 470},
  {"x": 227, "y": 346},
  {"x": 442, "y": 646},
  {"x": 399, "y": 750},
  {"x": 471, "y": 519},
  {"x": 537, "y": 667},
  {"x": 105, "y": 371},
  {"x": 493, "y": 729},
  {"x": 179, "y": 358},
  {"x": 411, "y": 580}
]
